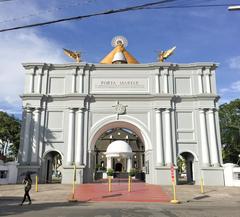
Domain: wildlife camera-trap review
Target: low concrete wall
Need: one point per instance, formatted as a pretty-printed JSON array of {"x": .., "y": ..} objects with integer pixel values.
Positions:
[
  {"x": 231, "y": 174},
  {"x": 8, "y": 172}
]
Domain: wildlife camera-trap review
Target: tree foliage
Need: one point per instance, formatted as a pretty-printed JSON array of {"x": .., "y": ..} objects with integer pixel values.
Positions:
[
  {"x": 229, "y": 114},
  {"x": 9, "y": 134}
]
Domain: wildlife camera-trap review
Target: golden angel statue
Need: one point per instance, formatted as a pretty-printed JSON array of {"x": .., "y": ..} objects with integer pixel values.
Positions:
[
  {"x": 165, "y": 54},
  {"x": 73, "y": 54}
]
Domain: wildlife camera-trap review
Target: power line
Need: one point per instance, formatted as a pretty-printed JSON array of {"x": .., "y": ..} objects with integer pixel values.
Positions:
[
  {"x": 190, "y": 6},
  {"x": 138, "y": 7},
  {"x": 6, "y": 0},
  {"x": 151, "y": 5},
  {"x": 46, "y": 11}
]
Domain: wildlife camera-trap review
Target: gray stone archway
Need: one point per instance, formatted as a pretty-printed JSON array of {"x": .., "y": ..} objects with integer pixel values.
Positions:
[
  {"x": 187, "y": 172},
  {"x": 52, "y": 167}
]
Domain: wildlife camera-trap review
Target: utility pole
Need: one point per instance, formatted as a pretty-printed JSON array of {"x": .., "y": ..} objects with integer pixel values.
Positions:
[{"x": 234, "y": 8}]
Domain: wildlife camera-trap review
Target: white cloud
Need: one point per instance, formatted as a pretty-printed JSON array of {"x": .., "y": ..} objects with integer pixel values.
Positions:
[
  {"x": 230, "y": 93},
  {"x": 234, "y": 63},
  {"x": 234, "y": 88},
  {"x": 16, "y": 48},
  {"x": 23, "y": 46}
]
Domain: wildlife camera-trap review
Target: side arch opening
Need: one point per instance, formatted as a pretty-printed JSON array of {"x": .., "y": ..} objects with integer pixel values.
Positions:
[
  {"x": 52, "y": 168},
  {"x": 186, "y": 163}
]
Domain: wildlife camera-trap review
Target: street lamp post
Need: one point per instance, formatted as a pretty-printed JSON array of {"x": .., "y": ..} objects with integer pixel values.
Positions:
[{"x": 234, "y": 8}]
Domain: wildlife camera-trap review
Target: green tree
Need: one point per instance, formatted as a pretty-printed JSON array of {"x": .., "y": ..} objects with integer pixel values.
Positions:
[
  {"x": 229, "y": 114},
  {"x": 9, "y": 134}
]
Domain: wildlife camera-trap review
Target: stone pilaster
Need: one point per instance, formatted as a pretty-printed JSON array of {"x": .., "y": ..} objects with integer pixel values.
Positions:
[
  {"x": 71, "y": 136},
  {"x": 39, "y": 74},
  {"x": 27, "y": 136},
  {"x": 73, "y": 89},
  {"x": 213, "y": 139},
  {"x": 36, "y": 135},
  {"x": 207, "y": 75},
  {"x": 80, "y": 138},
  {"x": 159, "y": 135},
  {"x": 80, "y": 75},
  {"x": 31, "y": 82},
  {"x": 168, "y": 138},
  {"x": 165, "y": 81},
  {"x": 157, "y": 81},
  {"x": 204, "y": 141},
  {"x": 200, "y": 81}
]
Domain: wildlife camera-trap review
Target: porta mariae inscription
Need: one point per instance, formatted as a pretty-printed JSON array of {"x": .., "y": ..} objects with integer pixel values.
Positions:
[{"x": 120, "y": 85}]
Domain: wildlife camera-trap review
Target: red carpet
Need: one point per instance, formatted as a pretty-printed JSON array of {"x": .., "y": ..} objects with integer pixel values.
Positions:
[{"x": 141, "y": 192}]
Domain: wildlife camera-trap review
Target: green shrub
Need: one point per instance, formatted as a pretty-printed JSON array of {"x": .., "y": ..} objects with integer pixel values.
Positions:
[
  {"x": 132, "y": 172},
  {"x": 110, "y": 172},
  {"x": 98, "y": 167}
]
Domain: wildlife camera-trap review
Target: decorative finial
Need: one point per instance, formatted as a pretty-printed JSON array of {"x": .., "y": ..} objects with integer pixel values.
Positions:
[
  {"x": 163, "y": 55},
  {"x": 76, "y": 55},
  {"x": 119, "y": 40}
]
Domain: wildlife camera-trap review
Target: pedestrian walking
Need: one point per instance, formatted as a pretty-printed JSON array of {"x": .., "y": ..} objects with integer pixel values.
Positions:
[{"x": 27, "y": 181}]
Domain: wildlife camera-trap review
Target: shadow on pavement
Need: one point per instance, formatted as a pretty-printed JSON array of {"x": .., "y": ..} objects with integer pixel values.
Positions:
[
  {"x": 201, "y": 197},
  {"x": 10, "y": 199},
  {"x": 12, "y": 207}
]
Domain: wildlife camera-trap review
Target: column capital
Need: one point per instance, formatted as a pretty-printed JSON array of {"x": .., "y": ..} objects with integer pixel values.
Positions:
[
  {"x": 211, "y": 110},
  {"x": 199, "y": 72},
  {"x": 207, "y": 71},
  {"x": 72, "y": 109},
  {"x": 28, "y": 109},
  {"x": 202, "y": 109},
  {"x": 80, "y": 71},
  {"x": 165, "y": 72},
  {"x": 33, "y": 71},
  {"x": 167, "y": 110},
  {"x": 37, "y": 109},
  {"x": 81, "y": 110},
  {"x": 40, "y": 70},
  {"x": 159, "y": 110},
  {"x": 73, "y": 71}
]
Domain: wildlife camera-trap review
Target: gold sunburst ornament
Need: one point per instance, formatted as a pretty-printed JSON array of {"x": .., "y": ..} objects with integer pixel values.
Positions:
[
  {"x": 119, "y": 40},
  {"x": 76, "y": 55}
]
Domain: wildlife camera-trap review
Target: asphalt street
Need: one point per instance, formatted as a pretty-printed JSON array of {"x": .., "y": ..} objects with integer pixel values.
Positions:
[{"x": 66, "y": 209}]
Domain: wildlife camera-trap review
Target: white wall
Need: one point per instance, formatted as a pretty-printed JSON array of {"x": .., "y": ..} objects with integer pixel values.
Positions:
[
  {"x": 11, "y": 168},
  {"x": 231, "y": 174}
]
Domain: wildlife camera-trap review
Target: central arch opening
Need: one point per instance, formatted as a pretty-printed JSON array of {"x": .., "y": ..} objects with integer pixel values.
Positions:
[
  {"x": 121, "y": 161},
  {"x": 118, "y": 167}
]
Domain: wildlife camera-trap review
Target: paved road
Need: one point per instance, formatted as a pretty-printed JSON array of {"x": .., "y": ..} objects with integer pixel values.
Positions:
[
  {"x": 52, "y": 201},
  {"x": 65, "y": 209}
]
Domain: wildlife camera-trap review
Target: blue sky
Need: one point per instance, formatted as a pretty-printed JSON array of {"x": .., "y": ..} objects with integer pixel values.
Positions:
[{"x": 200, "y": 34}]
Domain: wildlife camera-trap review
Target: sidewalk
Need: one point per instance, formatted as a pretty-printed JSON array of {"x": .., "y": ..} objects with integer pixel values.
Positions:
[{"x": 12, "y": 194}]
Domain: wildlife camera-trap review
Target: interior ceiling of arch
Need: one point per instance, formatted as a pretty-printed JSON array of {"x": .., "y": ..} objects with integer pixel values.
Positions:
[
  {"x": 116, "y": 125},
  {"x": 119, "y": 134}
]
